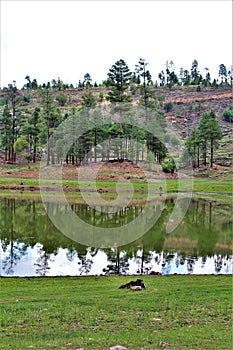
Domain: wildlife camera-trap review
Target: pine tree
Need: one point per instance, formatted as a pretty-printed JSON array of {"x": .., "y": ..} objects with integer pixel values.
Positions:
[
  {"x": 31, "y": 129},
  {"x": 6, "y": 132},
  {"x": 13, "y": 93},
  {"x": 87, "y": 80},
  {"x": 144, "y": 73},
  {"x": 210, "y": 132},
  {"x": 51, "y": 119},
  {"x": 119, "y": 77},
  {"x": 195, "y": 75},
  {"x": 222, "y": 73},
  {"x": 161, "y": 77},
  {"x": 193, "y": 145}
]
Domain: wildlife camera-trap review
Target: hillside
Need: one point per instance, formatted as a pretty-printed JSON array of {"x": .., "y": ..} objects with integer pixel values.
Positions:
[{"x": 187, "y": 106}]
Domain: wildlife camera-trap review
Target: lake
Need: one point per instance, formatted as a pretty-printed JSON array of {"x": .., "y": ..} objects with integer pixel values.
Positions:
[{"x": 31, "y": 245}]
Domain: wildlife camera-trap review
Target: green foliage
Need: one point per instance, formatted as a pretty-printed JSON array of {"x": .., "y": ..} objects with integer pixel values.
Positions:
[
  {"x": 169, "y": 165},
  {"x": 21, "y": 144},
  {"x": 168, "y": 106},
  {"x": 214, "y": 83},
  {"x": 119, "y": 79},
  {"x": 143, "y": 72},
  {"x": 62, "y": 99},
  {"x": 33, "y": 129},
  {"x": 3, "y": 101},
  {"x": 121, "y": 84},
  {"x": 26, "y": 98},
  {"x": 222, "y": 73},
  {"x": 171, "y": 77},
  {"x": 186, "y": 77},
  {"x": 192, "y": 144},
  {"x": 228, "y": 114},
  {"x": 11, "y": 121},
  {"x": 51, "y": 118},
  {"x": 195, "y": 74},
  {"x": 133, "y": 88},
  {"x": 161, "y": 77},
  {"x": 154, "y": 143},
  {"x": 88, "y": 100},
  {"x": 6, "y": 129},
  {"x": 207, "y": 135},
  {"x": 209, "y": 127},
  {"x": 28, "y": 157},
  {"x": 101, "y": 96},
  {"x": 87, "y": 80}
]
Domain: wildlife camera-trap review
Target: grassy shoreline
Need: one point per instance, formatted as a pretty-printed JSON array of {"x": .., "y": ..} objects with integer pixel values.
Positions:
[
  {"x": 186, "y": 312},
  {"x": 198, "y": 185},
  {"x": 18, "y": 180}
]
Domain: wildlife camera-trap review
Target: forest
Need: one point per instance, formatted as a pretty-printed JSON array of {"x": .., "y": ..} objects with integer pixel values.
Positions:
[{"x": 126, "y": 117}]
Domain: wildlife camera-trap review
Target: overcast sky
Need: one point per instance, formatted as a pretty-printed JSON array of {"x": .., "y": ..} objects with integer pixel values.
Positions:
[{"x": 66, "y": 39}]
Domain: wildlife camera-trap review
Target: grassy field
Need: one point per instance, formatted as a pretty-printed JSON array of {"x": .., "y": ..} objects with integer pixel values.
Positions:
[
  {"x": 199, "y": 185},
  {"x": 175, "y": 312},
  {"x": 214, "y": 183}
]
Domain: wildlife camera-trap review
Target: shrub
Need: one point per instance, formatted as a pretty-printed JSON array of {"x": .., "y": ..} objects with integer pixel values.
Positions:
[
  {"x": 20, "y": 144},
  {"x": 4, "y": 102},
  {"x": 26, "y": 98},
  {"x": 133, "y": 89},
  {"x": 61, "y": 99},
  {"x": 168, "y": 106},
  {"x": 228, "y": 115},
  {"x": 169, "y": 165},
  {"x": 101, "y": 96}
]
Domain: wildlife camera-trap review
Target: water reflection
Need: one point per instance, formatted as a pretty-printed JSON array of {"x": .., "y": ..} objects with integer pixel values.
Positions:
[{"x": 32, "y": 246}]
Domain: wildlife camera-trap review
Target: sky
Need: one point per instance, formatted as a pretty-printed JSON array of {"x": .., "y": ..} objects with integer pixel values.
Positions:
[{"x": 67, "y": 39}]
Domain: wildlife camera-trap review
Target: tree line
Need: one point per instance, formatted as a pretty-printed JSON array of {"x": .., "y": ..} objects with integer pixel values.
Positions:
[
  {"x": 30, "y": 132},
  {"x": 166, "y": 77}
]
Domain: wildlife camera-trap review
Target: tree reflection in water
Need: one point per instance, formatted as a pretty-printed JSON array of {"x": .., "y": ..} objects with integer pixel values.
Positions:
[
  {"x": 42, "y": 262},
  {"x": 205, "y": 233},
  {"x": 13, "y": 253}
]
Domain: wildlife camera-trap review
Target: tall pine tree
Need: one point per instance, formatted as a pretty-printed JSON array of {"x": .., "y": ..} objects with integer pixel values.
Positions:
[
  {"x": 119, "y": 79},
  {"x": 210, "y": 134}
]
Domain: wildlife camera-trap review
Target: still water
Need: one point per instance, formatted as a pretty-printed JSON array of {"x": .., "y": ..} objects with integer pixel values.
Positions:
[{"x": 31, "y": 245}]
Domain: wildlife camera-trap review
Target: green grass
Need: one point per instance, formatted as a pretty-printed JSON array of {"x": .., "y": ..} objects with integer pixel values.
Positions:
[
  {"x": 199, "y": 185},
  {"x": 188, "y": 312},
  {"x": 214, "y": 186}
]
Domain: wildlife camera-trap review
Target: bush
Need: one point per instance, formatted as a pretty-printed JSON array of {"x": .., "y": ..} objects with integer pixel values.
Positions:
[
  {"x": 4, "y": 102},
  {"x": 169, "y": 165},
  {"x": 168, "y": 106},
  {"x": 133, "y": 89},
  {"x": 61, "y": 99},
  {"x": 28, "y": 157},
  {"x": 228, "y": 115},
  {"x": 20, "y": 144},
  {"x": 101, "y": 96},
  {"x": 26, "y": 98}
]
